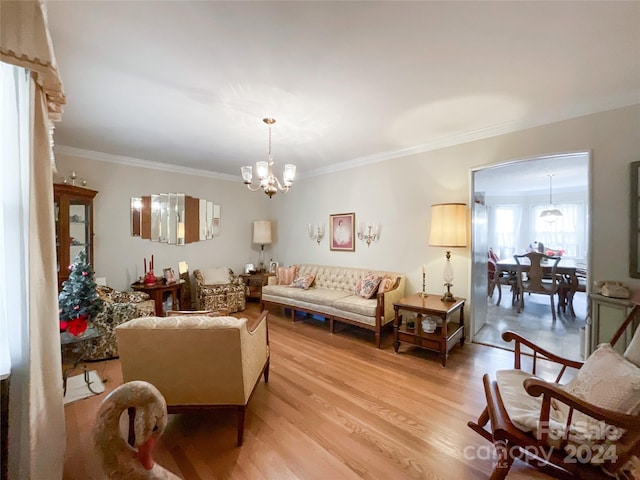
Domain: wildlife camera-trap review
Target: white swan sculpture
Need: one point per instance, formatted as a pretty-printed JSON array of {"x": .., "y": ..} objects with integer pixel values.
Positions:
[{"x": 119, "y": 459}]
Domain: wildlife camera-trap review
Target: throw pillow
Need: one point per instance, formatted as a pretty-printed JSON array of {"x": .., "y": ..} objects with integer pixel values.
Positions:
[
  {"x": 385, "y": 284},
  {"x": 632, "y": 353},
  {"x": 609, "y": 381},
  {"x": 216, "y": 276},
  {"x": 303, "y": 281},
  {"x": 286, "y": 275},
  {"x": 368, "y": 285}
]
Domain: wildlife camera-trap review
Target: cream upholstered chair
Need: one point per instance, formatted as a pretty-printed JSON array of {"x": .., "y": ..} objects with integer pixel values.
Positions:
[
  {"x": 218, "y": 289},
  {"x": 197, "y": 362}
]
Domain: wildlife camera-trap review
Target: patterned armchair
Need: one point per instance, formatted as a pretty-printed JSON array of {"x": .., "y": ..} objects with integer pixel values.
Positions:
[
  {"x": 119, "y": 307},
  {"x": 218, "y": 289}
]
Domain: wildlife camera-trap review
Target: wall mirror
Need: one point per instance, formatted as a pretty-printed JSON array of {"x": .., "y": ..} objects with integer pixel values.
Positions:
[
  {"x": 174, "y": 218},
  {"x": 634, "y": 222}
]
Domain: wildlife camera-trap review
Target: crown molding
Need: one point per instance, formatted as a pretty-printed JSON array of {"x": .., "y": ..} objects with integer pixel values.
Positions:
[{"x": 136, "y": 162}]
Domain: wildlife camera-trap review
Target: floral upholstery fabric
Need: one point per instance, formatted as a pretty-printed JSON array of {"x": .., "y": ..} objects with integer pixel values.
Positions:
[
  {"x": 229, "y": 298},
  {"x": 118, "y": 307}
]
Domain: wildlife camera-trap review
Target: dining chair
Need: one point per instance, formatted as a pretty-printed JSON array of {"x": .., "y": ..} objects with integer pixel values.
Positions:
[{"x": 541, "y": 277}]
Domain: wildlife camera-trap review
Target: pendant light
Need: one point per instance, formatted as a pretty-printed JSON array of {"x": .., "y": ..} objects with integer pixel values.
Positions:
[{"x": 551, "y": 214}]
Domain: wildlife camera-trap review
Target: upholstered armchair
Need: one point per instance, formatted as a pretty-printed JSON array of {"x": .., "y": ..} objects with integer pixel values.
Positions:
[
  {"x": 118, "y": 307},
  {"x": 197, "y": 362},
  {"x": 218, "y": 289}
]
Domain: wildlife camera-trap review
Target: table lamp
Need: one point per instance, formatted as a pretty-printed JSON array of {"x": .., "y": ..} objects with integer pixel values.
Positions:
[
  {"x": 262, "y": 237},
  {"x": 448, "y": 229}
]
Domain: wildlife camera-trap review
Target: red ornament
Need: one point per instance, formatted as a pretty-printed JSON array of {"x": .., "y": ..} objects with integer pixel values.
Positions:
[
  {"x": 76, "y": 308},
  {"x": 84, "y": 274},
  {"x": 70, "y": 267}
]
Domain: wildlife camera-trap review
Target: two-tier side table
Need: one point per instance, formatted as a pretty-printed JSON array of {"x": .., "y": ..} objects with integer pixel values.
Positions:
[{"x": 449, "y": 331}]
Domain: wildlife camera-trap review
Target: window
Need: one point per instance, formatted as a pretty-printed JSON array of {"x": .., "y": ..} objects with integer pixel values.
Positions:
[
  {"x": 565, "y": 233},
  {"x": 507, "y": 219}
]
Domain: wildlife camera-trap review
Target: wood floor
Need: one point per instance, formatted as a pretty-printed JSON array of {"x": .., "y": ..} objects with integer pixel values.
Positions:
[{"x": 335, "y": 407}]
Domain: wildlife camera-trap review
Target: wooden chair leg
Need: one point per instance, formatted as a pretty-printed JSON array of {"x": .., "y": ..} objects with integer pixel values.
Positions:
[
  {"x": 553, "y": 308},
  {"x": 505, "y": 460},
  {"x": 266, "y": 372},
  {"x": 241, "y": 412}
]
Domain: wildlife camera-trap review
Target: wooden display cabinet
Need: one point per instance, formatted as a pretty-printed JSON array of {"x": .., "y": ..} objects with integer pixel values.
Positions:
[{"x": 74, "y": 226}]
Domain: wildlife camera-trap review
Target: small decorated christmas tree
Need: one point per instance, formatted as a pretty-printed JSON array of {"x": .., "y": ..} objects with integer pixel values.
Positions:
[{"x": 78, "y": 301}]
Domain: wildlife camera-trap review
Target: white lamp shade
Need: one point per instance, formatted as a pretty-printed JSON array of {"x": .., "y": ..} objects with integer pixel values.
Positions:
[
  {"x": 262, "y": 232},
  {"x": 448, "y": 225},
  {"x": 262, "y": 170}
]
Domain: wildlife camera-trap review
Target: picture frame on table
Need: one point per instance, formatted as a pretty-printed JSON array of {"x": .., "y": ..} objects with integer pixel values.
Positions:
[
  {"x": 169, "y": 275},
  {"x": 249, "y": 268},
  {"x": 273, "y": 267},
  {"x": 342, "y": 232}
]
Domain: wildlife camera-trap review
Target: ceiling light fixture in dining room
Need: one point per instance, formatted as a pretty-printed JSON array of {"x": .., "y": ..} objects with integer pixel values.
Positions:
[
  {"x": 551, "y": 214},
  {"x": 268, "y": 181}
]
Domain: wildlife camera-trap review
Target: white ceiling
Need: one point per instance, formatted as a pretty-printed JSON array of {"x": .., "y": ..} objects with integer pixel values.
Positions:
[{"x": 188, "y": 83}]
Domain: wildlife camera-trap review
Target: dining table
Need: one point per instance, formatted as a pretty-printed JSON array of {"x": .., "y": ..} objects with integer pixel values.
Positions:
[{"x": 566, "y": 267}]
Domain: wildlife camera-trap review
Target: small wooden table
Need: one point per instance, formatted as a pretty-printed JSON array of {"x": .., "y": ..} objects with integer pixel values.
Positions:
[
  {"x": 444, "y": 337},
  {"x": 157, "y": 292},
  {"x": 255, "y": 282}
]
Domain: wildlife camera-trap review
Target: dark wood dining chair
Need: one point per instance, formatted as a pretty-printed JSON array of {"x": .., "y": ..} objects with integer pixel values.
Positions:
[{"x": 536, "y": 279}]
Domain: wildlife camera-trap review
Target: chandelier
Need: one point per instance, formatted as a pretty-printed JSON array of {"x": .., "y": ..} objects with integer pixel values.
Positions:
[
  {"x": 268, "y": 181},
  {"x": 551, "y": 213}
]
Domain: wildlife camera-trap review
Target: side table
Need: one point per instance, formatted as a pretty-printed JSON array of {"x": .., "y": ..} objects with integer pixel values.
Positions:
[
  {"x": 157, "y": 293},
  {"x": 255, "y": 282},
  {"x": 442, "y": 340},
  {"x": 68, "y": 341}
]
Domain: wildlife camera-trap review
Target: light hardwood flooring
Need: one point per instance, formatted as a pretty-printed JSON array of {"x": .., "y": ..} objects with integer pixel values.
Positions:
[{"x": 335, "y": 407}]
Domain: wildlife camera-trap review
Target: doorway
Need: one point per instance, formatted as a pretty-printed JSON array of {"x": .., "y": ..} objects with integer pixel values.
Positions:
[{"x": 506, "y": 217}]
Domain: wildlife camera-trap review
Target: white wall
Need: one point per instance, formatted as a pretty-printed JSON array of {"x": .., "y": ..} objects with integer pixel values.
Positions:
[
  {"x": 119, "y": 257},
  {"x": 397, "y": 193}
]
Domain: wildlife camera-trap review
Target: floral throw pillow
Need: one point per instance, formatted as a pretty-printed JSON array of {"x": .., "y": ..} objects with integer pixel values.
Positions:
[
  {"x": 286, "y": 275},
  {"x": 368, "y": 285},
  {"x": 303, "y": 281}
]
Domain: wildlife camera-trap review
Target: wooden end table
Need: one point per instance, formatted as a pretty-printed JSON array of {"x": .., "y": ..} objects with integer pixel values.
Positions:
[
  {"x": 255, "y": 282},
  {"x": 157, "y": 292},
  {"x": 444, "y": 337}
]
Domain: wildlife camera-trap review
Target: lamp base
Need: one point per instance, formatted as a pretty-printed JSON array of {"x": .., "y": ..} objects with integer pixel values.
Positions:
[{"x": 448, "y": 296}]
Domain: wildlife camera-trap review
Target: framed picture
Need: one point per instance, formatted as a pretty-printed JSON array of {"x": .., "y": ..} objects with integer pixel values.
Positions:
[
  {"x": 273, "y": 267},
  {"x": 342, "y": 232},
  {"x": 169, "y": 275},
  {"x": 249, "y": 268}
]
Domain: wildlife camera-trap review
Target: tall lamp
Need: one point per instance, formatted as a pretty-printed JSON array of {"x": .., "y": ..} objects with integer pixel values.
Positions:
[
  {"x": 449, "y": 230},
  {"x": 262, "y": 236}
]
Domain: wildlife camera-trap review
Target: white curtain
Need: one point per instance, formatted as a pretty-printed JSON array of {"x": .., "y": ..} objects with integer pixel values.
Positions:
[{"x": 29, "y": 301}]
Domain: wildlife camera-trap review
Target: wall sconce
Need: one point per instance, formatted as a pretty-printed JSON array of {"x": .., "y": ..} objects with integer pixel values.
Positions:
[
  {"x": 448, "y": 229},
  {"x": 316, "y": 232},
  {"x": 369, "y": 233}
]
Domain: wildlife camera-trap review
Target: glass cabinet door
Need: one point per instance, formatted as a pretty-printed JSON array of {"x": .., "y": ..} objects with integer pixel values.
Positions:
[{"x": 74, "y": 226}]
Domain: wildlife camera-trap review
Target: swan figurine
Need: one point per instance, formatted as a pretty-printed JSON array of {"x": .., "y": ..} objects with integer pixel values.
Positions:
[{"x": 119, "y": 459}]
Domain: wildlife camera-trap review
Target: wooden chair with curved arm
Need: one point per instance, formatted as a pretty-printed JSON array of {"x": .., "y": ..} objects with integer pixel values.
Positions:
[{"x": 564, "y": 430}]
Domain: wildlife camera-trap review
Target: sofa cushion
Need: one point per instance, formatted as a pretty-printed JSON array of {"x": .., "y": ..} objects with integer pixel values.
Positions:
[
  {"x": 286, "y": 275},
  {"x": 320, "y": 296},
  {"x": 303, "y": 281},
  {"x": 216, "y": 276},
  {"x": 368, "y": 285},
  {"x": 357, "y": 304}
]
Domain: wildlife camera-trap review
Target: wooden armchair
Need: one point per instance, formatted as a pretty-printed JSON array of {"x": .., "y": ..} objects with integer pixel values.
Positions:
[{"x": 568, "y": 433}]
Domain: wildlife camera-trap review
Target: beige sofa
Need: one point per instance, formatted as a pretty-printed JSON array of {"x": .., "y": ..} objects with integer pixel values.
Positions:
[
  {"x": 332, "y": 295},
  {"x": 197, "y": 362}
]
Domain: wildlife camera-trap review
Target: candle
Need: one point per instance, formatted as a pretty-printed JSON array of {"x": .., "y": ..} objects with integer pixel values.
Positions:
[
  {"x": 424, "y": 269},
  {"x": 145, "y": 266},
  {"x": 151, "y": 267}
]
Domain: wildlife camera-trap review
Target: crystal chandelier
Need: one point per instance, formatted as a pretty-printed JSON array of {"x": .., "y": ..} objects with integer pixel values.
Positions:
[
  {"x": 551, "y": 213},
  {"x": 268, "y": 181}
]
